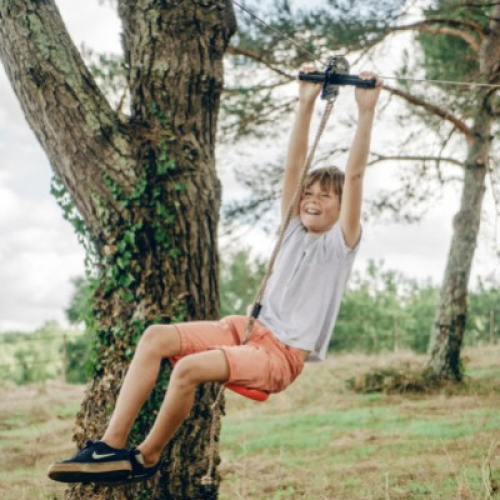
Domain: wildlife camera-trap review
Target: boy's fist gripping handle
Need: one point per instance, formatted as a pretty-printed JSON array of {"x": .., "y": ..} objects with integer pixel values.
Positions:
[
  {"x": 336, "y": 74},
  {"x": 338, "y": 80}
]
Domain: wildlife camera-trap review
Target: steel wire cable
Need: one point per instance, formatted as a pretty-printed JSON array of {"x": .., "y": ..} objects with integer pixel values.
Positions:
[{"x": 307, "y": 51}]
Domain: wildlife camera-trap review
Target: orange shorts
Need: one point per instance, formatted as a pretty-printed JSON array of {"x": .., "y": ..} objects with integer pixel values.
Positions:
[{"x": 262, "y": 363}]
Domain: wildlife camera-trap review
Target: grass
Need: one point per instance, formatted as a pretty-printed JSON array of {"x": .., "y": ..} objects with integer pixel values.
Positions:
[
  {"x": 315, "y": 441},
  {"x": 327, "y": 443}
]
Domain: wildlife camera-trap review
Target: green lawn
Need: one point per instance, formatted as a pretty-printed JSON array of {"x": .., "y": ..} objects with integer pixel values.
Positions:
[{"x": 317, "y": 440}]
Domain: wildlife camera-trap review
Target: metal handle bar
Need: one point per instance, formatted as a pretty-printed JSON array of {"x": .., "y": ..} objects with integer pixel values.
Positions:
[{"x": 338, "y": 79}]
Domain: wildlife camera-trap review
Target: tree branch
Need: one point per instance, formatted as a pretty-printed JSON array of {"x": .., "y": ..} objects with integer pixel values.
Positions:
[
  {"x": 380, "y": 158},
  {"x": 427, "y": 27},
  {"x": 82, "y": 136},
  {"x": 254, "y": 88},
  {"x": 238, "y": 51},
  {"x": 433, "y": 109},
  {"x": 257, "y": 118},
  {"x": 469, "y": 3},
  {"x": 467, "y": 23}
]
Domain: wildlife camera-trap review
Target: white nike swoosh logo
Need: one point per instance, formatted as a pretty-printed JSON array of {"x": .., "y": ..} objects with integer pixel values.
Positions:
[{"x": 97, "y": 456}]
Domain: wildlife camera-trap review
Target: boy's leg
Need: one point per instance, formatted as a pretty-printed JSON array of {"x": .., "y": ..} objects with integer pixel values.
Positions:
[
  {"x": 189, "y": 372},
  {"x": 157, "y": 343},
  {"x": 106, "y": 460}
]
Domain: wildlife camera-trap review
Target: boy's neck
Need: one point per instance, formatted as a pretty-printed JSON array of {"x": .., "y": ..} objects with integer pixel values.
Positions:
[{"x": 313, "y": 235}]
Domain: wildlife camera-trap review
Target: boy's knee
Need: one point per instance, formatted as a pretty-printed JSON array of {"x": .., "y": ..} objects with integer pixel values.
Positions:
[
  {"x": 186, "y": 372},
  {"x": 150, "y": 335},
  {"x": 163, "y": 339},
  {"x": 199, "y": 368}
]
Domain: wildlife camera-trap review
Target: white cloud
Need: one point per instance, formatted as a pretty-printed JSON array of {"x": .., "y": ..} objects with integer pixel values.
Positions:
[
  {"x": 39, "y": 252},
  {"x": 38, "y": 256},
  {"x": 96, "y": 25}
]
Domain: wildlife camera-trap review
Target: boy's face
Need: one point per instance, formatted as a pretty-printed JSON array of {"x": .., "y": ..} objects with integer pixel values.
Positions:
[{"x": 319, "y": 209}]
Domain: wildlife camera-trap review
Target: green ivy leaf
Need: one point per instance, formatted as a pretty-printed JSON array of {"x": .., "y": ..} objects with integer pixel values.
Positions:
[
  {"x": 128, "y": 296},
  {"x": 174, "y": 253},
  {"x": 126, "y": 280}
]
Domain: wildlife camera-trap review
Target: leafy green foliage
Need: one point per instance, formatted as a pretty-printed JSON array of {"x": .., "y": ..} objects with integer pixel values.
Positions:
[
  {"x": 78, "y": 360},
  {"x": 240, "y": 278},
  {"x": 70, "y": 213},
  {"x": 265, "y": 56},
  {"x": 80, "y": 303},
  {"x": 35, "y": 356},
  {"x": 483, "y": 320},
  {"x": 114, "y": 258},
  {"x": 450, "y": 56},
  {"x": 377, "y": 304},
  {"x": 80, "y": 352},
  {"x": 384, "y": 310}
]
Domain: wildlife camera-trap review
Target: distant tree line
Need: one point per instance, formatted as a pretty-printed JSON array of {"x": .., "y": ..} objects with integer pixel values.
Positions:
[
  {"x": 49, "y": 352},
  {"x": 383, "y": 310}
]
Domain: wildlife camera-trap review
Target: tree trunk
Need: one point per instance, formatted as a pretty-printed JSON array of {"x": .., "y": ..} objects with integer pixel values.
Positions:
[
  {"x": 448, "y": 330},
  {"x": 145, "y": 188}
]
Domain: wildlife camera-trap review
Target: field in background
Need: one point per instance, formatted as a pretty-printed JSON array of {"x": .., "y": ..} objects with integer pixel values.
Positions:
[{"x": 316, "y": 441}]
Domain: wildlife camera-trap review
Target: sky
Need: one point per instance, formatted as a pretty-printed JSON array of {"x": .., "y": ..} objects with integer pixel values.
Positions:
[{"x": 39, "y": 253}]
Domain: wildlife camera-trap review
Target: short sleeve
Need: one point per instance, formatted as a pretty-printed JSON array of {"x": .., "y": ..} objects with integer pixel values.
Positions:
[{"x": 336, "y": 244}]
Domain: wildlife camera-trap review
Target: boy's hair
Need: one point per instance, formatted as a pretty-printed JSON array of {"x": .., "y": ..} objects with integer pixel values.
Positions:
[{"x": 330, "y": 178}]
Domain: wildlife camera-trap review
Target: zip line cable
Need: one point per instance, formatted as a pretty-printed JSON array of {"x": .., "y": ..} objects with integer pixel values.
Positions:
[
  {"x": 307, "y": 51},
  {"x": 281, "y": 34},
  {"x": 446, "y": 82}
]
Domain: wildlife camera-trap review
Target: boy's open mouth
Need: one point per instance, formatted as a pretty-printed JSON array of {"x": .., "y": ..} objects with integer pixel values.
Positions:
[{"x": 312, "y": 211}]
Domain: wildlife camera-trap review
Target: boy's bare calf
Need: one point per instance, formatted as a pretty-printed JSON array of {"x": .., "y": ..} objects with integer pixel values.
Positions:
[{"x": 159, "y": 342}]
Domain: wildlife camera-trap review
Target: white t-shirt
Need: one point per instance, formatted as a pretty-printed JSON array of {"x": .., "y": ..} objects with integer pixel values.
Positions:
[{"x": 303, "y": 294}]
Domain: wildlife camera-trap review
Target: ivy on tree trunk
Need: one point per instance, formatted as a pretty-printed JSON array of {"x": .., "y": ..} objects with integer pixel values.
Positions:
[{"x": 145, "y": 191}]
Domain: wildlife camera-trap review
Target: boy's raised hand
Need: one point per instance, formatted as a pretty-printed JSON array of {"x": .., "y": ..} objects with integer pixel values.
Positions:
[
  {"x": 367, "y": 98},
  {"x": 308, "y": 92}
]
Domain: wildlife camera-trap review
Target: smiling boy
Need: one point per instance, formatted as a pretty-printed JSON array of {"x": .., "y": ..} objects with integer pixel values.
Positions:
[
  {"x": 298, "y": 312},
  {"x": 303, "y": 295}
]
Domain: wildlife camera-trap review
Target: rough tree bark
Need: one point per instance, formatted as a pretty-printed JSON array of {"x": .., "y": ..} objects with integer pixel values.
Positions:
[
  {"x": 451, "y": 314},
  {"x": 145, "y": 186}
]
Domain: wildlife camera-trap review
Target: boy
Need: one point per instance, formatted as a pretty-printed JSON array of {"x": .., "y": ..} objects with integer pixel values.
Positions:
[{"x": 298, "y": 311}]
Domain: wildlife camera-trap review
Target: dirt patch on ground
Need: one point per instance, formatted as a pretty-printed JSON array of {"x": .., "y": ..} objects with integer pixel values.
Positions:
[{"x": 405, "y": 451}]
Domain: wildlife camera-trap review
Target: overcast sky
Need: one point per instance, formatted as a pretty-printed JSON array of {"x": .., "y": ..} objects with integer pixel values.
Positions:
[{"x": 39, "y": 252}]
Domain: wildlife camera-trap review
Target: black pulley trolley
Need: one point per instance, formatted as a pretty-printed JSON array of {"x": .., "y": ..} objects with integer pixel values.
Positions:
[{"x": 336, "y": 74}]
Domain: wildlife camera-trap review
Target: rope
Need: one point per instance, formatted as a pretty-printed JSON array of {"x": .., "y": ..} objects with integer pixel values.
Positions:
[
  {"x": 291, "y": 209},
  {"x": 307, "y": 51},
  {"x": 207, "y": 479}
]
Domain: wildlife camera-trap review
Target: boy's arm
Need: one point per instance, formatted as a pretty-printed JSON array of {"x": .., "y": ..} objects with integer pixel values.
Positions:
[
  {"x": 350, "y": 208},
  {"x": 297, "y": 146}
]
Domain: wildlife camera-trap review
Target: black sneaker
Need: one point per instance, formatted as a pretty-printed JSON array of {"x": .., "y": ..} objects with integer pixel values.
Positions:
[
  {"x": 140, "y": 472},
  {"x": 97, "y": 462}
]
